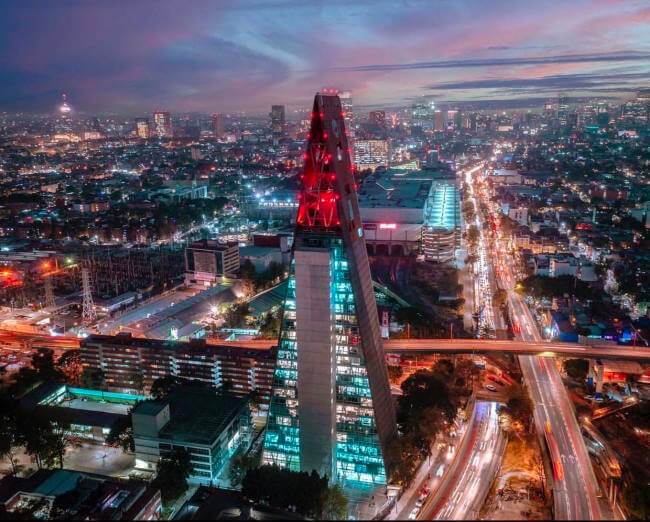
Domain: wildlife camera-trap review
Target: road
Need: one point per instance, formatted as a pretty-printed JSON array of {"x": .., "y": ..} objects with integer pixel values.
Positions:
[
  {"x": 575, "y": 490},
  {"x": 18, "y": 339},
  {"x": 466, "y": 484}
]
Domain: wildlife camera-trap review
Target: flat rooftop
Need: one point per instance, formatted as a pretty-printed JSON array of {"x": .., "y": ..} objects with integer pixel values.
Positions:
[
  {"x": 443, "y": 207},
  {"x": 197, "y": 415}
]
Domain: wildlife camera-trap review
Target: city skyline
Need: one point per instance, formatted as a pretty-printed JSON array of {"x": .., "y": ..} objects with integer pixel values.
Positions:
[{"x": 250, "y": 55}]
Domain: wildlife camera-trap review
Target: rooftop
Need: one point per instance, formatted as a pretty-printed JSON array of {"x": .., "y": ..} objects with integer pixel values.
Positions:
[{"x": 197, "y": 415}]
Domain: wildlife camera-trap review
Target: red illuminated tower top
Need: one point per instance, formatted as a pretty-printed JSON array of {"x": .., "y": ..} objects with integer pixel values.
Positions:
[{"x": 328, "y": 196}]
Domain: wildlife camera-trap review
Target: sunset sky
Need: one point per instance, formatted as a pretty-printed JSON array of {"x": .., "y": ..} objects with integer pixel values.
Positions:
[{"x": 220, "y": 55}]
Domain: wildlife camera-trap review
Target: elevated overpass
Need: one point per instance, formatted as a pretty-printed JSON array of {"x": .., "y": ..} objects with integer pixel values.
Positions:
[
  {"x": 469, "y": 346},
  {"x": 401, "y": 346}
]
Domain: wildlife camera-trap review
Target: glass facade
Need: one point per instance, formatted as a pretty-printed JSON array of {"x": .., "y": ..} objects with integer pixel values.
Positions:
[
  {"x": 281, "y": 442},
  {"x": 358, "y": 458}
]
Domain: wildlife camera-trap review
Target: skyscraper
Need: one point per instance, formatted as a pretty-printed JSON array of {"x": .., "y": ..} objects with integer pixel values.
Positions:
[
  {"x": 377, "y": 118},
  {"x": 277, "y": 122},
  {"x": 331, "y": 409},
  {"x": 218, "y": 125},
  {"x": 371, "y": 154},
  {"x": 142, "y": 128},
  {"x": 162, "y": 124},
  {"x": 348, "y": 118}
]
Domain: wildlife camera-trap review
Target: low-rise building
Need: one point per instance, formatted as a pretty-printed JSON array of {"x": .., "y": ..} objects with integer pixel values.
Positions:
[
  {"x": 207, "y": 261},
  {"x": 87, "y": 496},
  {"x": 210, "y": 426}
]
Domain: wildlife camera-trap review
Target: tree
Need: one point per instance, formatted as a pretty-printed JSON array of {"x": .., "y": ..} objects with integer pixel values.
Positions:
[
  {"x": 163, "y": 386},
  {"x": 500, "y": 297},
  {"x": 121, "y": 434},
  {"x": 93, "y": 378},
  {"x": 395, "y": 372},
  {"x": 473, "y": 234},
  {"x": 636, "y": 497},
  {"x": 576, "y": 368},
  {"x": 69, "y": 364},
  {"x": 9, "y": 435},
  {"x": 173, "y": 472},
  {"x": 519, "y": 405},
  {"x": 239, "y": 466},
  {"x": 43, "y": 440},
  {"x": 402, "y": 457},
  {"x": 43, "y": 363},
  {"x": 247, "y": 270},
  {"x": 336, "y": 504},
  {"x": 443, "y": 369},
  {"x": 424, "y": 390},
  {"x": 235, "y": 314},
  {"x": 286, "y": 489}
]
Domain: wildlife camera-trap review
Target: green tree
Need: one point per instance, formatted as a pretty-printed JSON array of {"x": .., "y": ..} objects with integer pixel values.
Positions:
[
  {"x": 636, "y": 498},
  {"x": 336, "y": 504},
  {"x": 121, "y": 434},
  {"x": 93, "y": 378},
  {"x": 163, "y": 386},
  {"x": 9, "y": 435},
  {"x": 43, "y": 440},
  {"x": 576, "y": 368},
  {"x": 173, "y": 472},
  {"x": 236, "y": 314},
  {"x": 518, "y": 405},
  {"x": 285, "y": 489},
  {"x": 43, "y": 363},
  {"x": 395, "y": 372},
  {"x": 69, "y": 365},
  {"x": 239, "y": 466},
  {"x": 247, "y": 270}
]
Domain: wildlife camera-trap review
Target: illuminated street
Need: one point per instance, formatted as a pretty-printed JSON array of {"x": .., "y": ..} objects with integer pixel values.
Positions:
[
  {"x": 574, "y": 483},
  {"x": 465, "y": 486}
]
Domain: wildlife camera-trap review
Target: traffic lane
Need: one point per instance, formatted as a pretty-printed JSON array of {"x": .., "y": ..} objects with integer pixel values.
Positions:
[
  {"x": 438, "y": 499},
  {"x": 471, "y": 474},
  {"x": 575, "y": 496}
]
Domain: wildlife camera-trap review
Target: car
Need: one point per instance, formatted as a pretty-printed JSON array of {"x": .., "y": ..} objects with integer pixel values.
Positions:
[
  {"x": 414, "y": 513},
  {"x": 490, "y": 387},
  {"x": 419, "y": 502},
  {"x": 440, "y": 470}
]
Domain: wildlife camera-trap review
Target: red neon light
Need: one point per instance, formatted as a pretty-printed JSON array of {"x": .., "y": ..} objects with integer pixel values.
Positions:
[{"x": 318, "y": 197}]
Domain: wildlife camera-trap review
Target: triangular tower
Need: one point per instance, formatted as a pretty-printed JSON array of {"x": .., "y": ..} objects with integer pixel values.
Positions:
[{"x": 331, "y": 408}]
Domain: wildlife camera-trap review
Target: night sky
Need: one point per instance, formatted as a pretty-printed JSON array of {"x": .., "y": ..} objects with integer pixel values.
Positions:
[{"x": 219, "y": 55}]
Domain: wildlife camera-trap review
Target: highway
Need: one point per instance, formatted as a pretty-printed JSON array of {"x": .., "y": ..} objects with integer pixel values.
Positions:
[
  {"x": 465, "y": 486},
  {"x": 519, "y": 346},
  {"x": 575, "y": 490}
]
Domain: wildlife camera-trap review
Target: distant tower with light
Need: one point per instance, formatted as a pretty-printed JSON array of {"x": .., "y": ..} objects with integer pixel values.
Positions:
[
  {"x": 65, "y": 108},
  {"x": 88, "y": 314}
]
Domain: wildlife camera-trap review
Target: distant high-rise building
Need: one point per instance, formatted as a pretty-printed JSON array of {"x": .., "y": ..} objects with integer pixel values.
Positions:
[
  {"x": 563, "y": 110},
  {"x": 371, "y": 154},
  {"x": 439, "y": 120},
  {"x": 331, "y": 408},
  {"x": 142, "y": 128},
  {"x": 162, "y": 125},
  {"x": 218, "y": 125},
  {"x": 550, "y": 108},
  {"x": 422, "y": 113},
  {"x": 277, "y": 122},
  {"x": 377, "y": 118},
  {"x": 348, "y": 118}
]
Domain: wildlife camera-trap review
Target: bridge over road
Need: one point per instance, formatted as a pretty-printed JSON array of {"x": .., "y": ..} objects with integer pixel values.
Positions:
[{"x": 548, "y": 349}]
